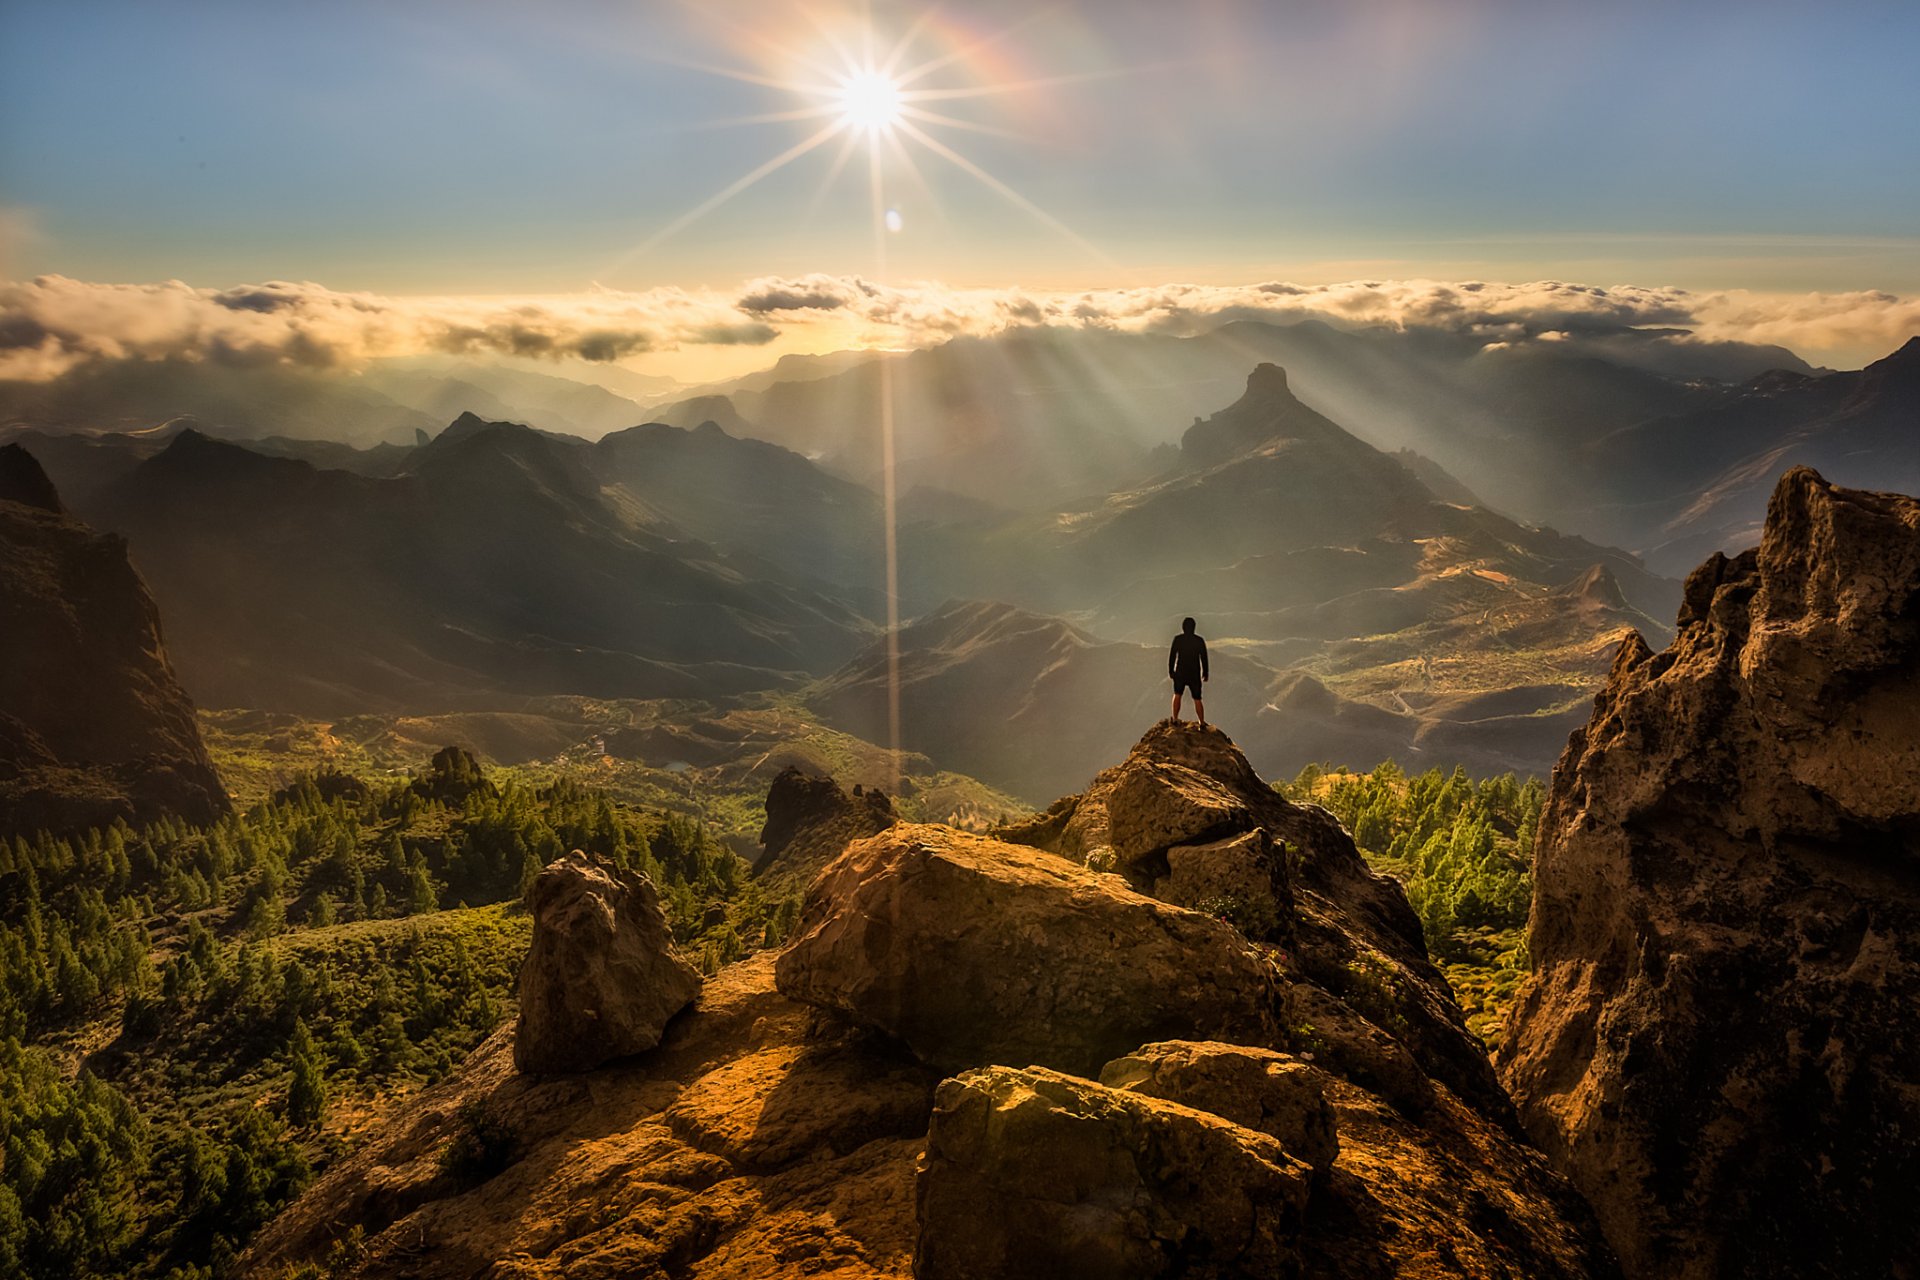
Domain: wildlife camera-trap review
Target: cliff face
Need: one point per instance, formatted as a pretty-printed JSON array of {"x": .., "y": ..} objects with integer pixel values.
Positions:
[
  {"x": 93, "y": 724},
  {"x": 990, "y": 1055},
  {"x": 1720, "y": 1042}
]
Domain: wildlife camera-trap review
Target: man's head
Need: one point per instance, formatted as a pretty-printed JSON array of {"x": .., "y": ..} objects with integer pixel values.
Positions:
[{"x": 1186, "y": 625}]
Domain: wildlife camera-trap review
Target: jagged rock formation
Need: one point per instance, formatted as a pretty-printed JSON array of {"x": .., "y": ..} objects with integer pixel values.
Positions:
[
  {"x": 1350, "y": 930},
  {"x": 1720, "y": 1037},
  {"x": 1336, "y": 1123},
  {"x": 93, "y": 724},
  {"x": 601, "y": 980},
  {"x": 810, "y": 820}
]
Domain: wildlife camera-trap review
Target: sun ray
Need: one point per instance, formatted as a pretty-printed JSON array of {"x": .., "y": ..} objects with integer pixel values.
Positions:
[
  {"x": 767, "y": 117},
  {"x": 947, "y": 153},
  {"x": 952, "y": 56},
  {"x": 728, "y": 192},
  {"x": 955, "y": 122},
  {"x": 1008, "y": 86},
  {"x": 849, "y": 143}
]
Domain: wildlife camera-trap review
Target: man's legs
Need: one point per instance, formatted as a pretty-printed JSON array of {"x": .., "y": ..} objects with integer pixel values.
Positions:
[
  {"x": 1176, "y": 702},
  {"x": 1199, "y": 709}
]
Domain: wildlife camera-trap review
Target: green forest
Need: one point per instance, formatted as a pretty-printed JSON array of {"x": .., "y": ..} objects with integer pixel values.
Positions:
[
  {"x": 1464, "y": 851},
  {"x": 237, "y": 998}
]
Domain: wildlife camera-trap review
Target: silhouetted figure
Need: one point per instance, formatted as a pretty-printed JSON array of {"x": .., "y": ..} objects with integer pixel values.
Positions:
[{"x": 1187, "y": 668}]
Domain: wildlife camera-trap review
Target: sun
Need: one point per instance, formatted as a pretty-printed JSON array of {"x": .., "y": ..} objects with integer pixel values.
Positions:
[{"x": 870, "y": 101}]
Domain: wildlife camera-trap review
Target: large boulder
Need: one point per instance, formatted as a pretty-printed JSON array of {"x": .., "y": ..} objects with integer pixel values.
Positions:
[
  {"x": 601, "y": 980},
  {"x": 1029, "y": 1173},
  {"x": 1260, "y": 1089},
  {"x": 1720, "y": 1041},
  {"x": 1155, "y": 804},
  {"x": 973, "y": 952}
]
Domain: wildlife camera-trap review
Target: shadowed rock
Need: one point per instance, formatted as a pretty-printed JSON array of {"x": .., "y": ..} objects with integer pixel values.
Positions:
[
  {"x": 811, "y": 820},
  {"x": 94, "y": 726},
  {"x": 601, "y": 980},
  {"x": 1720, "y": 1037},
  {"x": 1029, "y": 1173},
  {"x": 1272, "y": 1093}
]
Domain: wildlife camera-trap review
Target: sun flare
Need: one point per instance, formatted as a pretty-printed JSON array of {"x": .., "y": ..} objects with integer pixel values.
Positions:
[{"x": 870, "y": 101}]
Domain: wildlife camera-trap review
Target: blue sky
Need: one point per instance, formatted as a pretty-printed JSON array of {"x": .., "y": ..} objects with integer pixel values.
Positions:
[{"x": 481, "y": 148}]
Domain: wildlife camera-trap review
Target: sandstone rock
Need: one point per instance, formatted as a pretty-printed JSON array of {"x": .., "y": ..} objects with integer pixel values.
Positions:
[
  {"x": 601, "y": 979},
  {"x": 1029, "y": 1173},
  {"x": 741, "y": 1148},
  {"x": 1259, "y": 1089},
  {"x": 1720, "y": 1041},
  {"x": 1345, "y": 928},
  {"x": 972, "y": 951},
  {"x": 1155, "y": 804},
  {"x": 810, "y": 820},
  {"x": 1241, "y": 878}
]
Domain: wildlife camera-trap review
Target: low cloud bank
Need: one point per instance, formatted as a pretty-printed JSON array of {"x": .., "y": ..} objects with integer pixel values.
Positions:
[{"x": 52, "y": 324}]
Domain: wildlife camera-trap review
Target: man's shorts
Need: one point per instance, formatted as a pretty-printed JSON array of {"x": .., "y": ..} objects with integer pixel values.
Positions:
[{"x": 1187, "y": 682}]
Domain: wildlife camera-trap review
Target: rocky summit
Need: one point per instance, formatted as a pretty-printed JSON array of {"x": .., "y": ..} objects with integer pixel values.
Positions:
[
  {"x": 1222, "y": 1053},
  {"x": 1720, "y": 1037}
]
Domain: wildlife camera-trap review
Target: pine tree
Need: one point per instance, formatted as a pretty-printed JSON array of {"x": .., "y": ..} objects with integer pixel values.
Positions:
[{"x": 307, "y": 1087}]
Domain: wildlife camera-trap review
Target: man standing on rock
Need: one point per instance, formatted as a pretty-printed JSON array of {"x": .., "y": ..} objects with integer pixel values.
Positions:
[{"x": 1187, "y": 667}]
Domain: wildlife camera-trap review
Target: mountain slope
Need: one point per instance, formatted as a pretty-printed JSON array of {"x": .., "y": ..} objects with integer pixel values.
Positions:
[
  {"x": 491, "y": 566},
  {"x": 1701, "y": 482},
  {"x": 1035, "y": 417},
  {"x": 231, "y": 400},
  {"x": 93, "y": 725}
]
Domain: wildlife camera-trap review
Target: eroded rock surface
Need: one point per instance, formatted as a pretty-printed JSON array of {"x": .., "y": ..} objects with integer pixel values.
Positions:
[
  {"x": 973, "y": 951},
  {"x": 748, "y": 1144},
  {"x": 1352, "y": 945},
  {"x": 1721, "y": 1038},
  {"x": 1273, "y": 1093},
  {"x": 1033, "y": 1175},
  {"x": 601, "y": 979}
]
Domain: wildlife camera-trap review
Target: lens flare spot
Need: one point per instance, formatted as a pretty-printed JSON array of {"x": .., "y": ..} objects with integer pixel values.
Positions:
[{"x": 894, "y": 222}]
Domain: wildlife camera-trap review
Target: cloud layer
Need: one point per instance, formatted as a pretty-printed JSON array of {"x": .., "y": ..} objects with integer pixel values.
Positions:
[{"x": 52, "y": 324}]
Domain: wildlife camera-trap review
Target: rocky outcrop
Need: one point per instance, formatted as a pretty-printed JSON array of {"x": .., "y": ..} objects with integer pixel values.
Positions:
[
  {"x": 1351, "y": 940},
  {"x": 1133, "y": 1088},
  {"x": 1034, "y": 1175},
  {"x": 1720, "y": 1037},
  {"x": 810, "y": 820},
  {"x": 751, "y": 1144},
  {"x": 601, "y": 979},
  {"x": 895, "y": 936},
  {"x": 94, "y": 726}
]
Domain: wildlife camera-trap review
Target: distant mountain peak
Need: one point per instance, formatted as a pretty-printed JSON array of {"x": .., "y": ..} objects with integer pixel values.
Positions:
[
  {"x": 1597, "y": 586},
  {"x": 1268, "y": 378},
  {"x": 1267, "y": 411},
  {"x": 23, "y": 480}
]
